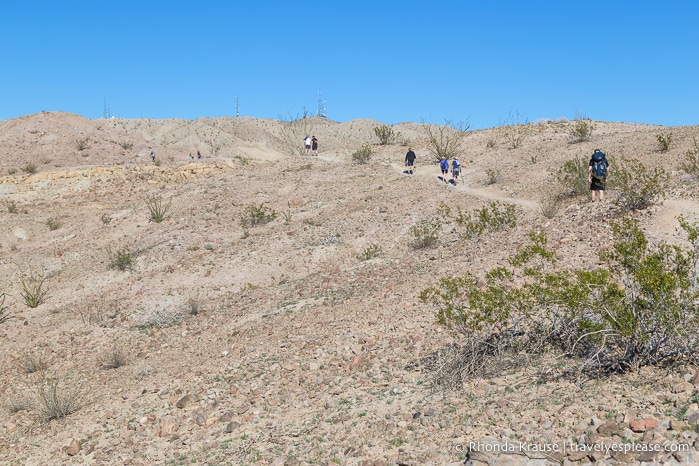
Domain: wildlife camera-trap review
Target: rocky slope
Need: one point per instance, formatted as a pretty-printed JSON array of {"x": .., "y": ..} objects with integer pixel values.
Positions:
[{"x": 275, "y": 343}]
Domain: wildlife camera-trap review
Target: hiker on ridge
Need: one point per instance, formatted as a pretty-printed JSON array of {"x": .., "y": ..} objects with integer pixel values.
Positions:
[
  {"x": 597, "y": 172},
  {"x": 410, "y": 160},
  {"x": 307, "y": 143},
  {"x": 314, "y": 145}
]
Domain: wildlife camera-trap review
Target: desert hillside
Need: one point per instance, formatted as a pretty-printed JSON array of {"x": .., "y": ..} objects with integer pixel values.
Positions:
[{"x": 208, "y": 338}]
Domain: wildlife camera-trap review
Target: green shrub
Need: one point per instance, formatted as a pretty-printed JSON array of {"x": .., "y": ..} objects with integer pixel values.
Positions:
[
  {"x": 257, "y": 215},
  {"x": 386, "y": 134},
  {"x": 53, "y": 224},
  {"x": 362, "y": 155},
  {"x": 495, "y": 216},
  {"x": 12, "y": 207},
  {"x": 122, "y": 259},
  {"x": 157, "y": 208},
  {"x": 637, "y": 187},
  {"x": 34, "y": 290},
  {"x": 369, "y": 252},
  {"x": 106, "y": 219},
  {"x": 691, "y": 159},
  {"x": 426, "y": 233},
  {"x": 126, "y": 145},
  {"x": 639, "y": 309},
  {"x": 581, "y": 130},
  {"x": 664, "y": 141},
  {"x": 573, "y": 176}
]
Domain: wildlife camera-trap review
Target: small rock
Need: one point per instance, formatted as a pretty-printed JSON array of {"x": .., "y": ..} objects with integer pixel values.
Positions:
[
  {"x": 682, "y": 387},
  {"x": 677, "y": 425},
  {"x": 185, "y": 401},
  {"x": 74, "y": 448},
  {"x": 231, "y": 426}
]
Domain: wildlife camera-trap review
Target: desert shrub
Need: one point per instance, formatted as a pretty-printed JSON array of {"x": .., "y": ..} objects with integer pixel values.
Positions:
[
  {"x": 637, "y": 186},
  {"x": 493, "y": 217},
  {"x": 157, "y": 208},
  {"x": 34, "y": 290},
  {"x": 549, "y": 205},
  {"x": 257, "y": 215},
  {"x": 515, "y": 129},
  {"x": 492, "y": 175},
  {"x": 664, "y": 141},
  {"x": 53, "y": 224},
  {"x": 637, "y": 310},
  {"x": 82, "y": 143},
  {"x": 4, "y": 315},
  {"x": 445, "y": 140},
  {"x": 106, "y": 219},
  {"x": 114, "y": 357},
  {"x": 426, "y": 233},
  {"x": 12, "y": 207},
  {"x": 30, "y": 362},
  {"x": 573, "y": 176},
  {"x": 157, "y": 318},
  {"x": 126, "y": 145},
  {"x": 581, "y": 130},
  {"x": 122, "y": 259},
  {"x": 11, "y": 171},
  {"x": 362, "y": 155},
  {"x": 386, "y": 134},
  {"x": 369, "y": 252},
  {"x": 690, "y": 164},
  {"x": 29, "y": 168},
  {"x": 194, "y": 306},
  {"x": 55, "y": 398}
]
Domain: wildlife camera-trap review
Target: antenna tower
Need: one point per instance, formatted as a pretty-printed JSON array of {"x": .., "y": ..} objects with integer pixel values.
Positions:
[
  {"x": 237, "y": 106},
  {"x": 322, "y": 111},
  {"x": 106, "y": 113}
]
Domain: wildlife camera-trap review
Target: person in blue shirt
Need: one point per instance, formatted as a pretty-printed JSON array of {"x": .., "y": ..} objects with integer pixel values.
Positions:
[{"x": 455, "y": 169}]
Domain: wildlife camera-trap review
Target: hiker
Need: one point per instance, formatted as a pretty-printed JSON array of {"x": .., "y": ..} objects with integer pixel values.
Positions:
[
  {"x": 152, "y": 155},
  {"x": 198, "y": 155},
  {"x": 307, "y": 142},
  {"x": 314, "y": 146},
  {"x": 410, "y": 160},
  {"x": 597, "y": 172},
  {"x": 455, "y": 169},
  {"x": 444, "y": 166},
  {"x": 190, "y": 157}
]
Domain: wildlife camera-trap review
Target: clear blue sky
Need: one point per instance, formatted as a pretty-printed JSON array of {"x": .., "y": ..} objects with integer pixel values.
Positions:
[{"x": 393, "y": 61}]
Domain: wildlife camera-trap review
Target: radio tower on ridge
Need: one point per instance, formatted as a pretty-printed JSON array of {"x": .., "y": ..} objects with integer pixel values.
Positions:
[{"x": 322, "y": 111}]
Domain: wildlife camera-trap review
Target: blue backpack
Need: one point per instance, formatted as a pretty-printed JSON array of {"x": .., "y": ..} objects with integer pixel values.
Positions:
[
  {"x": 599, "y": 165},
  {"x": 444, "y": 164}
]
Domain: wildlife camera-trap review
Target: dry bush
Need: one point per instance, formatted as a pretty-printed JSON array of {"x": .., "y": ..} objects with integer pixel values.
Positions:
[
  {"x": 157, "y": 317},
  {"x": 30, "y": 362},
  {"x": 444, "y": 141},
  {"x": 581, "y": 130},
  {"x": 113, "y": 358},
  {"x": 4, "y": 316},
  {"x": 550, "y": 204},
  {"x": 157, "y": 208},
  {"x": 53, "y": 397}
]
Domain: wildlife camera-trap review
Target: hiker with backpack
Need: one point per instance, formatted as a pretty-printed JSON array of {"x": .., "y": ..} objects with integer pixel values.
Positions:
[
  {"x": 597, "y": 172},
  {"x": 455, "y": 169},
  {"x": 444, "y": 166}
]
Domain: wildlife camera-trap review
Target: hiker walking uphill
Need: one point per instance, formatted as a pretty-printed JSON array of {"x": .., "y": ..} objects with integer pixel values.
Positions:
[
  {"x": 314, "y": 145},
  {"x": 597, "y": 172},
  {"x": 410, "y": 161},
  {"x": 444, "y": 166},
  {"x": 455, "y": 169}
]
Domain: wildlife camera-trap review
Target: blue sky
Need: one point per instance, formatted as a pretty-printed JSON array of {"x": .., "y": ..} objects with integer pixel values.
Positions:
[{"x": 480, "y": 61}]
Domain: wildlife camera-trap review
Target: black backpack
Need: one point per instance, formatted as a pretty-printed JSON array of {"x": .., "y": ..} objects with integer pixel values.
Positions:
[{"x": 599, "y": 165}]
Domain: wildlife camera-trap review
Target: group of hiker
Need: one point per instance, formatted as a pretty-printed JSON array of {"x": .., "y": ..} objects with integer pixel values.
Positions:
[
  {"x": 311, "y": 144},
  {"x": 597, "y": 170}
]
